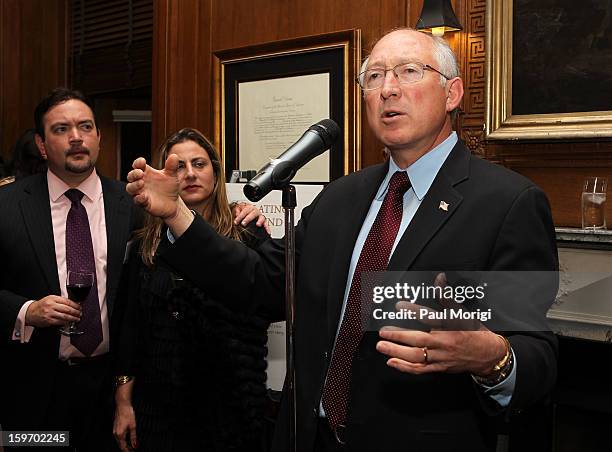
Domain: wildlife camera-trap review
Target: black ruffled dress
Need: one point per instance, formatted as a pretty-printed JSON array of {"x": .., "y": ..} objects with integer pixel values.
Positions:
[{"x": 199, "y": 367}]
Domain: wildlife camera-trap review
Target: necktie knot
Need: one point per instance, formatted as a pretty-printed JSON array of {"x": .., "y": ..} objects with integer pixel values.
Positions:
[
  {"x": 399, "y": 183},
  {"x": 74, "y": 195}
]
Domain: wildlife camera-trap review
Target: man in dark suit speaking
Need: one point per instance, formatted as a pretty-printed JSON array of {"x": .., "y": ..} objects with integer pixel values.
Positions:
[
  {"x": 66, "y": 219},
  {"x": 432, "y": 206}
]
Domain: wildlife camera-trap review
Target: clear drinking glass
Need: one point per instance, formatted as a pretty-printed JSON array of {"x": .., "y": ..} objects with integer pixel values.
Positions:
[
  {"x": 594, "y": 203},
  {"x": 78, "y": 285}
]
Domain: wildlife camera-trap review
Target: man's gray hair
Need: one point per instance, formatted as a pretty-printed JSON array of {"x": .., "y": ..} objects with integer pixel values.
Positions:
[
  {"x": 445, "y": 57},
  {"x": 443, "y": 54}
]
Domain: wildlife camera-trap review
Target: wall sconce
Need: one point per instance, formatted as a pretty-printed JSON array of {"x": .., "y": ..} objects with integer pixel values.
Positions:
[{"x": 437, "y": 17}]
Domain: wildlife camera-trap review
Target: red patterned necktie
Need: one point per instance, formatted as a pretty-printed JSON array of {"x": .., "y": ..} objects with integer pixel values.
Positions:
[
  {"x": 80, "y": 257},
  {"x": 374, "y": 257}
]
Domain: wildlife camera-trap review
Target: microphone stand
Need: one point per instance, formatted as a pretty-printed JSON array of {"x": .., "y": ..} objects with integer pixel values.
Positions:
[
  {"x": 277, "y": 175},
  {"x": 289, "y": 203}
]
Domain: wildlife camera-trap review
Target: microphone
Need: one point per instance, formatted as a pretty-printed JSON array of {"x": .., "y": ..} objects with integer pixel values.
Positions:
[{"x": 279, "y": 172}]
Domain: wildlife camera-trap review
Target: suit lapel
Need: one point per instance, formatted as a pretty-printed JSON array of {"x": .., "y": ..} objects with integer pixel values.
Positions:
[
  {"x": 36, "y": 212},
  {"x": 117, "y": 215},
  {"x": 360, "y": 199},
  {"x": 430, "y": 216}
]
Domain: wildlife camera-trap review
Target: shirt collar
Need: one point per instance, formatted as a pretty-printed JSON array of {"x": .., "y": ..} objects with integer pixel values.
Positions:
[
  {"x": 422, "y": 172},
  {"x": 91, "y": 187}
]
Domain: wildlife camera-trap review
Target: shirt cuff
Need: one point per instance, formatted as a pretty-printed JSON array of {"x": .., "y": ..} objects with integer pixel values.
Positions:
[
  {"x": 502, "y": 391},
  {"x": 23, "y": 332},
  {"x": 171, "y": 237}
]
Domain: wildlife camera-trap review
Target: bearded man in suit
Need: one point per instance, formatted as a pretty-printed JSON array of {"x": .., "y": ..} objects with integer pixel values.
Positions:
[{"x": 53, "y": 381}]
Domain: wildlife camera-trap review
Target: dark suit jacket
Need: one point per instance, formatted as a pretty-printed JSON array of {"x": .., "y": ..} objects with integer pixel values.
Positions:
[
  {"x": 29, "y": 272},
  {"x": 496, "y": 220}
]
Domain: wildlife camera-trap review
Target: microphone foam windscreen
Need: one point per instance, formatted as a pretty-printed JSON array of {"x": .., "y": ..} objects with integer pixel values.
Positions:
[{"x": 328, "y": 130}]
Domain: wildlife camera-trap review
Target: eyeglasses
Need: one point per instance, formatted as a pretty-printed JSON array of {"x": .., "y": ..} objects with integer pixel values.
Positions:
[{"x": 404, "y": 73}]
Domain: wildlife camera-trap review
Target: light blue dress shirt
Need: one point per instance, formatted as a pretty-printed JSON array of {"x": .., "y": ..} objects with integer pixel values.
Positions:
[{"x": 421, "y": 174}]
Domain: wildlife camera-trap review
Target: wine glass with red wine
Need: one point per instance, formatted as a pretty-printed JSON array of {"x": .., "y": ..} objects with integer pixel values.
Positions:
[{"x": 78, "y": 285}]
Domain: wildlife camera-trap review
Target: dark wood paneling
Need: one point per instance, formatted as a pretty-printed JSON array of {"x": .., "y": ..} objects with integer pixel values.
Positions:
[
  {"x": 33, "y": 39},
  {"x": 559, "y": 168},
  {"x": 182, "y": 95},
  {"x": 188, "y": 31}
]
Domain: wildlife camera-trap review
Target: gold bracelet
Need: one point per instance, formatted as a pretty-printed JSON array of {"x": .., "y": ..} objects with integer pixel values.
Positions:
[
  {"x": 501, "y": 370},
  {"x": 122, "y": 379},
  {"x": 504, "y": 361}
]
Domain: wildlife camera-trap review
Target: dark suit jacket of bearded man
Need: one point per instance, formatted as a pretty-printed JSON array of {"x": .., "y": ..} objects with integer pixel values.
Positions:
[
  {"x": 496, "y": 220},
  {"x": 29, "y": 272}
]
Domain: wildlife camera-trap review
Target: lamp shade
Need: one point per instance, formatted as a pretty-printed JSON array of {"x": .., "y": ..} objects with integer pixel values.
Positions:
[{"x": 437, "y": 16}]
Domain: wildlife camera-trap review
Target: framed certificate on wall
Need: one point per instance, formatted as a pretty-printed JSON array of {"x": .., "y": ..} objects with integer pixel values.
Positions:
[{"x": 266, "y": 97}]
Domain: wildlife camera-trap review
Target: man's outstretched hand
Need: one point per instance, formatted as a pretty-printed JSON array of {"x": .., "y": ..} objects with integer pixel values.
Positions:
[{"x": 156, "y": 191}]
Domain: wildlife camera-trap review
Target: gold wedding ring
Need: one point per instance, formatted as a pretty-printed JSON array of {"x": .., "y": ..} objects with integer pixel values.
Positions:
[{"x": 425, "y": 355}]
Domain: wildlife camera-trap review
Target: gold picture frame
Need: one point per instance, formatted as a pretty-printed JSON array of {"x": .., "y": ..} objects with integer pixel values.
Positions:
[
  {"x": 501, "y": 124},
  {"x": 337, "y": 54}
]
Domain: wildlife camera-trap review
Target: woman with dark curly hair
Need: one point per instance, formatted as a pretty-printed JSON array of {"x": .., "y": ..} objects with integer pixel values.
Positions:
[{"x": 190, "y": 372}]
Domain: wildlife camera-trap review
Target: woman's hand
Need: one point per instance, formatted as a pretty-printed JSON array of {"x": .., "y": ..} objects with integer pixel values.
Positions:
[
  {"x": 244, "y": 213},
  {"x": 124, "y": 426}
]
